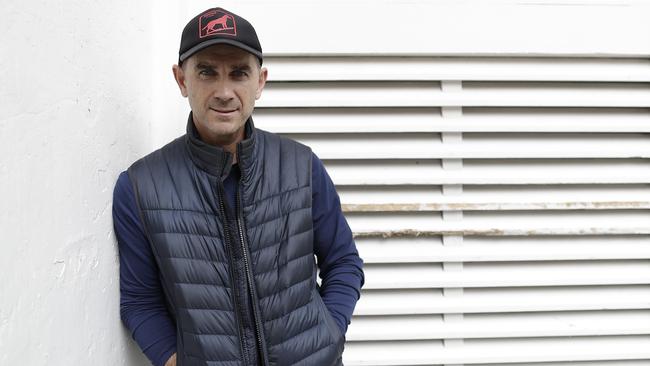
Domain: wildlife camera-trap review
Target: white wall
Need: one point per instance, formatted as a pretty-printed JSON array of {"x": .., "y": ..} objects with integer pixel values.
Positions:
[
  {"x": 469, "y": 27},
  {"x": 87, "y": 88},
  {"x": 74, "y": 111}
]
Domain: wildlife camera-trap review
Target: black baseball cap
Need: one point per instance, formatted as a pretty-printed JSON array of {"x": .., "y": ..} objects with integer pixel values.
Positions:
[{"x": 218, "y": 26}]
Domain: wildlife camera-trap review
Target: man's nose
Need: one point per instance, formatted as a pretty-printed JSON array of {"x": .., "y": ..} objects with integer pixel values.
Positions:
[{"x": 223, "y": 91}]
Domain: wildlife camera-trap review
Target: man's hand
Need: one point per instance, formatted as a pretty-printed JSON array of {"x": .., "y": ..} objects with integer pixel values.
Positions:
[{"x": 171, "y": 361}]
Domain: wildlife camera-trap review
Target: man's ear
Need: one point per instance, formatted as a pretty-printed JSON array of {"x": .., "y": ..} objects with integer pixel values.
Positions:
[
  {"x": 264, "y": 73},
  {"x": 179, "y": 76}
]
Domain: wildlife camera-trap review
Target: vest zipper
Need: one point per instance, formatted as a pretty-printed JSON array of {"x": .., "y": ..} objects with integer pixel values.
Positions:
[
  {"x": 249, "y": 276},
  {"x": 228, "y": 245}
]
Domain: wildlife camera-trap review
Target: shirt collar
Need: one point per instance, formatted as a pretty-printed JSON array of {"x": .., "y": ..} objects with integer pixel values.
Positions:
[{"x": 215, "y": 160}]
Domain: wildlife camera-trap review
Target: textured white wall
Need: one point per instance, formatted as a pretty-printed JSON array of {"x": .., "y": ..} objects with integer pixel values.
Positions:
[{"x": 75, "y": 109}]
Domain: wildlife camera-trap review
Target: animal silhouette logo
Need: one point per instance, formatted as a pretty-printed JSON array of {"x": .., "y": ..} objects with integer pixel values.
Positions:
[{"x": 214, "y": 22}]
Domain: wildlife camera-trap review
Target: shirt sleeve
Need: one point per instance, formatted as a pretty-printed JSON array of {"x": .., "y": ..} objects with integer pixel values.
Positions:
[
  {"x": 341, "y": 268},
  {"x": 142, "y": 301}
]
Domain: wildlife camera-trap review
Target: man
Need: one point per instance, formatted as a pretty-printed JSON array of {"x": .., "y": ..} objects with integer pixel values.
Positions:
[{"x": 218, "y": 229}]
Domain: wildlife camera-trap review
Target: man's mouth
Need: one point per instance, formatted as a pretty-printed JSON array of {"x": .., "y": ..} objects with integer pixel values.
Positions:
[{"x": 223, "y": 111}]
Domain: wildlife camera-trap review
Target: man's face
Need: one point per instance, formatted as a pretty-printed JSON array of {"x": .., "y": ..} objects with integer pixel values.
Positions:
[{"x": 221, "y": 83}]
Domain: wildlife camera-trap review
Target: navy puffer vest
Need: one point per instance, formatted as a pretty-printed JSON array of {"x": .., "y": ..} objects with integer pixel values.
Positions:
[{"x": 178, "y": 190}]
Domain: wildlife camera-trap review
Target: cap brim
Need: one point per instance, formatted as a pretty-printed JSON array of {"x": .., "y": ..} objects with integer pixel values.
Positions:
[{"x": 211, "y": 42}]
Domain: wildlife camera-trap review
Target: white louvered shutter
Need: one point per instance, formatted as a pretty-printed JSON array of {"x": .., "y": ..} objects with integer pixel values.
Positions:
[{"x": 501, "y": 205}]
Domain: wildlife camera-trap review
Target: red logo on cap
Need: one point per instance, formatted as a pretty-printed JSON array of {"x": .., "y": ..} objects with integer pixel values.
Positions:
[{"x": 216, "y": 22}]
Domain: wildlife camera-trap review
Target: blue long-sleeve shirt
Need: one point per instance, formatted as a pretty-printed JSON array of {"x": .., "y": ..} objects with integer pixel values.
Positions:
[{"x": 142, "y": 301}]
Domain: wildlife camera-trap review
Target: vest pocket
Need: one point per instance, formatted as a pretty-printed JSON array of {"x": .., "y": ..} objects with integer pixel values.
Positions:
[{"x": 330, "y": 323}]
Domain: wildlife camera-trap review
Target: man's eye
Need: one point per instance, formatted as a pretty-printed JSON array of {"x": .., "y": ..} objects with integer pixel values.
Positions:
[
  {"x": 239, "y": 73},
  {"x": 206, "y": 72}
]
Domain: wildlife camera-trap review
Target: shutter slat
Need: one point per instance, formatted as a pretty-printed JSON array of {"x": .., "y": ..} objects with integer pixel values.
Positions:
[
  {"x": 400, "y": 120},
  {"x": 481, "y": 249},
  {"x": 514, "y": 325},
  {"x": 417, "y": 275},
  {"x": 582, "y": 363},
  {"x": 486, "y": 171},
  {"x": 503, "y": 223},
  {"x": 454, "y": 68},
  {"x": 430, "y": 146},
  {"x": 379, "y": 353},
  {"x": 486, "y": 198},
  {"x": 503, "y": 299},
  {"x": 429, "y": 94}
]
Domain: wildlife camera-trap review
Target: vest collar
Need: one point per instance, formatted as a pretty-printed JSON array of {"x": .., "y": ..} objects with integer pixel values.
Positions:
[{"x": 214, "y": 159}]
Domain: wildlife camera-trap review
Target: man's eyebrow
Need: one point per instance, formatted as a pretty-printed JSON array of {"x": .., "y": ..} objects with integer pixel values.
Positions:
[
  {"x": 201, "y": 65},
  {"x": 241, "y": 67}
]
